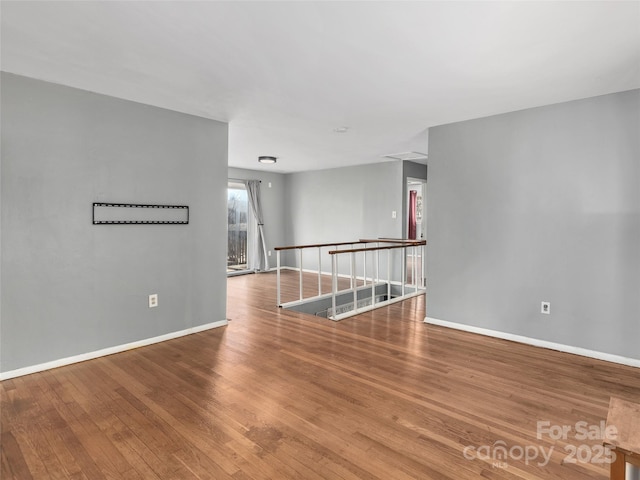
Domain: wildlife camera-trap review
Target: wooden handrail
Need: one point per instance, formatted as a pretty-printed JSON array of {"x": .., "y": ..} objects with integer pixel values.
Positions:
[
  {"x": 405, "y": 243},
  {"x": 316, "y": 245},
  {"x": 374, "y": 249}
]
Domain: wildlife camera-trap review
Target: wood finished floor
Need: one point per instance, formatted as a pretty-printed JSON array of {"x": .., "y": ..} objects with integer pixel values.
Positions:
[{"x": 283, "y": 395}]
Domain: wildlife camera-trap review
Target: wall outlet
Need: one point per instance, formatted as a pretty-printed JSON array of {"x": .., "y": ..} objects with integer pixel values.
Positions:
[
  {"x": 394, "y": 214},
  {"x": 545, "y": 307},
  {"x": 269, "y": 184},
  {"x": 269, "y": 253},
  {"x": 153, "y": 300}
]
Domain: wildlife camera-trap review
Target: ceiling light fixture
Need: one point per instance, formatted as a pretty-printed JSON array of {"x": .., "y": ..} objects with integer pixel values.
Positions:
[
  {"x": 341, "y": 129},
  {"x": 267, "y": 159}
]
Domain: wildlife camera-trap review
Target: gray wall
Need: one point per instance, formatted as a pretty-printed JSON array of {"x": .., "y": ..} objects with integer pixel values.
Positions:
[
  {"x": 69, "y": 287},
  {"x": 540, "y": 205},
  {"x": 343, "y": 204},
  {"x": 273, "y": 205}
]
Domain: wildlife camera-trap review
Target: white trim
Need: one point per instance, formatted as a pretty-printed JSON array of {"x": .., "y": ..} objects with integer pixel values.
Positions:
[
  {"x": 236, "y": 273},
  {"x": 607, "y": 357},
  {"x": 341, "y": 275},
  {"x": 368, "y": 308},
  {"x": 108, "y": 351},
  {"x": 361, "y": 288}
]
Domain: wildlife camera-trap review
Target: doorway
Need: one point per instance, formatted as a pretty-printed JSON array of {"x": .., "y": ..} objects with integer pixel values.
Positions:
[
  {"x": 237, "y": 228},
  {"x": 416, "y": 227},
  {"x": 416, "y": 209}
]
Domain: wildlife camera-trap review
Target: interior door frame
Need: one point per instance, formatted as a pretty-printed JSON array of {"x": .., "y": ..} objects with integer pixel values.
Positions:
[
  {"x": 421, "y": 234},
  {"x": 411, "y": 181}
]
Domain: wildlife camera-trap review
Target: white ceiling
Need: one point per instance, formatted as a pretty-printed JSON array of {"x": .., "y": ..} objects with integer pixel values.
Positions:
[{"x": 286, "y": 74}]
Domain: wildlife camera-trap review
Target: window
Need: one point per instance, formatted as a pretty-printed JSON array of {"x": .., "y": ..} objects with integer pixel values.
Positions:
[{"x": 237, "y": 220}]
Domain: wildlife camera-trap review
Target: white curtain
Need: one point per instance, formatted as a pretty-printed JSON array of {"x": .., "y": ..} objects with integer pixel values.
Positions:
[{"x": 258, "y": 254}]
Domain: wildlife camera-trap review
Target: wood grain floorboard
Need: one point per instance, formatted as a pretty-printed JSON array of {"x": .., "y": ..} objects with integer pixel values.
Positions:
[{"x": 279, "y": 394}]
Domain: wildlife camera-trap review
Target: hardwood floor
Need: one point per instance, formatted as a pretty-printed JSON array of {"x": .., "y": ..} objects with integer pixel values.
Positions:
[{"x": 281, "y": 395}]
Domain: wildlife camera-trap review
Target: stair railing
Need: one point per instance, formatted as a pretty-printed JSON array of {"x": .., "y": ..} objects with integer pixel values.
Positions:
[
  {"x": 352, "y": 249},
  {"x": 417, "y": 286},
  {"x": 299, "y": 252}
]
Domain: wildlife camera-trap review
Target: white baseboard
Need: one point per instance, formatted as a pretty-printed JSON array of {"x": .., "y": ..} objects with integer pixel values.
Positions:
[
  {"x": 608, "y": 357},
  {"x": 107, "y": 351}
]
